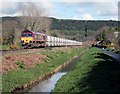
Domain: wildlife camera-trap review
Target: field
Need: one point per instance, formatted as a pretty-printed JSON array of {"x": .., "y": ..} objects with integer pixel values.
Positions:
[
  {"x": 22, "y": 74},
  {"x": 95, "y": 73}
]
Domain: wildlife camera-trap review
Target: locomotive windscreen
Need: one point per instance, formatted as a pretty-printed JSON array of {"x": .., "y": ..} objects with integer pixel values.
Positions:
[
  {"x": 23, "y": 35},
  {"x": 29, "y": 35}
]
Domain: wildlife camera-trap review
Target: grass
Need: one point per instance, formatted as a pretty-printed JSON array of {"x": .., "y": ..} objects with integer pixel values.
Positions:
[
  {"x": 95, "y": 73},
  {"x": 0, "y": 83},
  {"x": 19, "y": 45},
  {"x": 117, "y": 51},
  {"x": 23, "y": 76},
  {"x": 4, "y": 47},
  {"x": 7, "y": 47}
]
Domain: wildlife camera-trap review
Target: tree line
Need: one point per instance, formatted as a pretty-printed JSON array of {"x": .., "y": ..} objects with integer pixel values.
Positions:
[{"x": 68, "y": 24}]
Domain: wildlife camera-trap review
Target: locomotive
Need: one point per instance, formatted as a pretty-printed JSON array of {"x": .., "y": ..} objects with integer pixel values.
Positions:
[{"x": 30, "y": 39}]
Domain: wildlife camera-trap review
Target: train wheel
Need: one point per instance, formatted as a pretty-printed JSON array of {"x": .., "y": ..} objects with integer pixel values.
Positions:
[
  {"x": 30, "y": 46},
  {"x": 24, "y": 47}
]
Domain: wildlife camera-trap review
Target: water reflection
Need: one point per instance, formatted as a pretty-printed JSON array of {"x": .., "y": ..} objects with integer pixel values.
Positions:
[
  {"x": 112, "y": 54},
  {"x": 49, "y": 84}
]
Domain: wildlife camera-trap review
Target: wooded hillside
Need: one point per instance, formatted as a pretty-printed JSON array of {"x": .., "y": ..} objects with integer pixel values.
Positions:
[{"x": 64, "y": 28}]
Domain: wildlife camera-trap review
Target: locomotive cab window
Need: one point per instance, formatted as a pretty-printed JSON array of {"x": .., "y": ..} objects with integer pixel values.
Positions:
[
  {"x": 23, "y": 35},
  {"x": 29, "y": 35}
]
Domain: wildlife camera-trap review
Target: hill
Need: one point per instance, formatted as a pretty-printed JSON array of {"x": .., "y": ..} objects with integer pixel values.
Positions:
[
  {"x": 68, "y": 24},
  {"x": 61, "y": 24}
]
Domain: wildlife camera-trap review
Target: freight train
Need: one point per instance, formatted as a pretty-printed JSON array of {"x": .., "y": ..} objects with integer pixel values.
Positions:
[{"x": 30, "y": 39}]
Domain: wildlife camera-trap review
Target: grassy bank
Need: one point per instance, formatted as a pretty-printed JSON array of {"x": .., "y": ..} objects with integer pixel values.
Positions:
[
  {"x": 4, "y": 47},
  {"x": 23, "y": 76},
  {"x": 117, "y": 51},
  {"x": 12, "y": 46},
  {"x": 95, "y": 73}
]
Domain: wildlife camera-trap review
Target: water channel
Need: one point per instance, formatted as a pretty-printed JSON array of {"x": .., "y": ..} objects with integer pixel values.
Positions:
[
  {"x": 47, "y": 85},
  {"x": 112, "y": 54}
]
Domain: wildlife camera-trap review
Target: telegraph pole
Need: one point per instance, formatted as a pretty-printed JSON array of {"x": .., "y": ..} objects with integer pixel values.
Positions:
[{"x": 85, "y": 31}]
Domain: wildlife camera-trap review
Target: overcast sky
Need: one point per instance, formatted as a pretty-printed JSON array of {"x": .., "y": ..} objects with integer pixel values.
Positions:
[{"x": 67, "y": 9}]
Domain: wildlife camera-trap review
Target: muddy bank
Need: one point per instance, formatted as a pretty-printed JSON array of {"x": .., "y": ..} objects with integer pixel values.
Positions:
[{"x": 42, "y": 78}]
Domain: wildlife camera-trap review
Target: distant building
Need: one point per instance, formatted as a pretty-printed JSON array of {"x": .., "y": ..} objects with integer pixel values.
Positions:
[{"x": 116, "y": 34}]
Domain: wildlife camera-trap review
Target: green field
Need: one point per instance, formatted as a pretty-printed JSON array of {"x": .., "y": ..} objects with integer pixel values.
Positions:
[
  {"x": 95, "y": 73},
  {"x": 23, "y": 76}
]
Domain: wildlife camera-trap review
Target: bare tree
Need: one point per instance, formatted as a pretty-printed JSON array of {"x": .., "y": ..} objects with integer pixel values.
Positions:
[{"x": 34, "y": 17}]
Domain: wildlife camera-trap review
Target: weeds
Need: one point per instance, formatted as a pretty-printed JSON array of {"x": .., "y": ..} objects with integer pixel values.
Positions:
[{"x": 21, "y": 64}]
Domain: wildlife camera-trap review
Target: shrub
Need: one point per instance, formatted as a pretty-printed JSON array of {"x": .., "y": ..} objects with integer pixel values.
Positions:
[
  {"x": 21, "y": 64},
  {"x": 13, "y": 47}
]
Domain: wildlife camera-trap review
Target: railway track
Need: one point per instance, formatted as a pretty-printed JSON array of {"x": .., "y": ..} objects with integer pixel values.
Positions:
[{"x": 4, "y": 52}]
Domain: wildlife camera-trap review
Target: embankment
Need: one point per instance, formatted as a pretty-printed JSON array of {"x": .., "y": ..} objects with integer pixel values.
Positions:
[
  {"x": 22, "y": 78},
  {"x": 95, "y": 73}
]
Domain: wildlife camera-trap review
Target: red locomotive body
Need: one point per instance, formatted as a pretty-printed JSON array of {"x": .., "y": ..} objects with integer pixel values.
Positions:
[{"x": 32, "y": 39}]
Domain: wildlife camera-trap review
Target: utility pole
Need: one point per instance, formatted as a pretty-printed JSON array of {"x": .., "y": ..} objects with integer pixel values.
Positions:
[
  {"x": 86, "y": 29},
  {"x": 85, "y": 36}
]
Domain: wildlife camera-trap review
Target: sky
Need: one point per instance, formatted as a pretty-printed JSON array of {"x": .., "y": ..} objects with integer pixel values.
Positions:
[{"x": 67, "y": 9}]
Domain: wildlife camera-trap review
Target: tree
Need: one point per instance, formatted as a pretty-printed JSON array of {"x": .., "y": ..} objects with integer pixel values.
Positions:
[
  {"x": 118, "y": 38},
  {"x": 11, "y": 36},
  {"x": 34, "y": 17},
  {"x": 54, "y": 34},
  {"x": 101, "y": 36},
  {"x": 8, "y": 32}
]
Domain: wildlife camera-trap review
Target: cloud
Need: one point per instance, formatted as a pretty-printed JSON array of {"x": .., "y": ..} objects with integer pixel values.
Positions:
[
  {"x": 48, "y": 7},
  {"x": 87, "y": 17},
  {"x": 77, "y": 9},
  {"x": 90, "y": 1},
  {"x": 14, "y": 8},
  {"x": 10, "y": 8},
  {"x": 98, "y": 8},
  {"x": 115, "y": 18},
  {"x": 106, "y": 9},
  {"x": 93, "y": 8},
  {"x": 75, "y": 18},
  {"x": 0, "y": 9}
]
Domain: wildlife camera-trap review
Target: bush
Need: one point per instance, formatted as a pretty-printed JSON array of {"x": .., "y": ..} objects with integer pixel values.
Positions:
[
  {"x": 21, "y": 64},
  {"x": 13, "y": 47}
]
